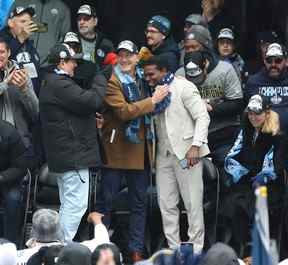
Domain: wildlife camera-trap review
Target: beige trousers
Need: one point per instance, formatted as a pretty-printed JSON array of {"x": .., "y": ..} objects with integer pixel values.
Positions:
[{"x": 173, "y": 181}]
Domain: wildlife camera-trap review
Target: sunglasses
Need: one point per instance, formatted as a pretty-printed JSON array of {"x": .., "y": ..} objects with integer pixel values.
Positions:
[{"x": 276, "y": 60}]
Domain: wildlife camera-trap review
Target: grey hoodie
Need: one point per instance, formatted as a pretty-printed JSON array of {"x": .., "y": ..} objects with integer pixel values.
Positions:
[{"x": 57, "y": 15}]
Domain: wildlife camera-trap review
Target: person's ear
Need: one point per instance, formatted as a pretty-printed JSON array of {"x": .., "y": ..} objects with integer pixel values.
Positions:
[
  {"x": 10, "y": 23},
  {"x": 96, "y": 21}
]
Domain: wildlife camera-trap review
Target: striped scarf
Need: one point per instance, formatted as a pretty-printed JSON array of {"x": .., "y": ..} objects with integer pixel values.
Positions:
[{"x": 132, "y": 94}]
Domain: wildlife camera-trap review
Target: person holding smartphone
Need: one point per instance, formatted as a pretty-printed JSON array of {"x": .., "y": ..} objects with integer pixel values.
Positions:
[{"x": 19, "y": 29}]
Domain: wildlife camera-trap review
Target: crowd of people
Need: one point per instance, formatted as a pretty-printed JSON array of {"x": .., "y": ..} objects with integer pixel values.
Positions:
[{"x": 79, "y": 103}]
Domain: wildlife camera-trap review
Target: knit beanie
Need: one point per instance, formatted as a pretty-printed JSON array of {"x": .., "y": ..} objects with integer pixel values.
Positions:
[
  {"x": 161, "y": 23},
  {"x": 202, "y": 35}
]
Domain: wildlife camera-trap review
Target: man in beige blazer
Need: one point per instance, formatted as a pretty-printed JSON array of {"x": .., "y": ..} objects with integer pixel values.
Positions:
[{"x": 182, "y": 128}]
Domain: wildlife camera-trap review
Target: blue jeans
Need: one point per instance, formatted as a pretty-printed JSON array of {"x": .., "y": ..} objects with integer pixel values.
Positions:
[
  {"x": 137, "y": 181},
  {"x": 12, "y": 217},
  {"x": 73, "y": 194}
]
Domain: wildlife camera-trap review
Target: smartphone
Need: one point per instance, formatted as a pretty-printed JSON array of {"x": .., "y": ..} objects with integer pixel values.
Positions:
[
  {"x": 11, "y": 69},
  {"x": 21, "y": 66},
  {"x": 42, "y": 27},
  {"x": 184, "y": 163}
]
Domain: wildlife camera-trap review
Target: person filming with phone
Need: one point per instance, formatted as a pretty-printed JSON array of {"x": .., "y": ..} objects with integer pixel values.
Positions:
[
  {"x": 182, "y": 124},
  {"x": 19, "y": 28}
]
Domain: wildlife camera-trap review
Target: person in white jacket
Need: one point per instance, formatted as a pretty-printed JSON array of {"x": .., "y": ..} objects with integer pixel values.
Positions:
[
  {"x": 182, "y": 124},
  {"x": 46, "y": 231}
]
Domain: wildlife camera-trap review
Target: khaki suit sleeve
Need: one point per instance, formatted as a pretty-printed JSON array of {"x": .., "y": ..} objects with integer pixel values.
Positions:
[
  {"x": 197, "y": 109},
  {"x": 124, "y": 110}
]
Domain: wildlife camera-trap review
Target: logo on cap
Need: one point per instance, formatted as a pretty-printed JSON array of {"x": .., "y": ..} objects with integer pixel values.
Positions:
[
  {"x": 226, "y": 33},
  {"x": 274, "y": 49},
  {"x": 127, "y": 45}
]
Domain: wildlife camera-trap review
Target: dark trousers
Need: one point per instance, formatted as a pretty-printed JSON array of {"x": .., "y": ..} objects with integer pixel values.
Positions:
[
  {"x": 137, "y": 181},
  {"x": 12, "y": 216},
  {"x": 220, "y": 143}
]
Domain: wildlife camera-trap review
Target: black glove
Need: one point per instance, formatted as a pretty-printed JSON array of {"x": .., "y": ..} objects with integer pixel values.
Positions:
[{"x": 107, "y": 71}]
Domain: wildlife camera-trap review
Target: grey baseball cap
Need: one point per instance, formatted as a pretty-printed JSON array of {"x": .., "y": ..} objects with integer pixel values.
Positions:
[
  {"x": 196, "y": 19},
  {"x": 200, "y": 34},
  {"x": 46, "y": 226}
]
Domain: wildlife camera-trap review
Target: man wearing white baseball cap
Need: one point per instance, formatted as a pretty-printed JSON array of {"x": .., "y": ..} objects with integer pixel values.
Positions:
[
  {"x": 227, "y": 50},
  {"x": 95, "y": 46}
]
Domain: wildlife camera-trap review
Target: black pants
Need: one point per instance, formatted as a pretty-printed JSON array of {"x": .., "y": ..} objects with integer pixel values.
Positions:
[{"x": 12, "y": 217}]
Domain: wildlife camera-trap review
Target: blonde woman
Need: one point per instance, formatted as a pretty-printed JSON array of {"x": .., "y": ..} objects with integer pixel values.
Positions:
[{"x": 256, "y": 158}]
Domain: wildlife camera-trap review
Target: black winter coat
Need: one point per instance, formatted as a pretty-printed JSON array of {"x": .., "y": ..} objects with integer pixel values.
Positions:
[
  {"x": 13, "y": 161},
  {"x": 169, "y": 49},
  {"x": 68, "y": 120}
]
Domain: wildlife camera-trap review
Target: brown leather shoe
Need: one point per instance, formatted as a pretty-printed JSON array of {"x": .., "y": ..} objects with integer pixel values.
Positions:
[{"x": 136, "y": 256}]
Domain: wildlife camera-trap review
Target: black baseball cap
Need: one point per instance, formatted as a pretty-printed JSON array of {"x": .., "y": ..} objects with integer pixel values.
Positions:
[
  {"x": 18, "y": 10},
  {"x": 258, "y": 104},
  {"x": 63, "y": 51}
]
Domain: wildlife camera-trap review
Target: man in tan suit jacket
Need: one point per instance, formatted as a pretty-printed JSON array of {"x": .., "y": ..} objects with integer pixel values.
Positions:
[
  {"x": 128, "y": 152},
  {"x": 182, "y": 129}
]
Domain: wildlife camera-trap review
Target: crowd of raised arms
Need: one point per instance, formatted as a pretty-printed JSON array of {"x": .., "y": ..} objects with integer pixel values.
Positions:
[{"x": 158, "y": 148}]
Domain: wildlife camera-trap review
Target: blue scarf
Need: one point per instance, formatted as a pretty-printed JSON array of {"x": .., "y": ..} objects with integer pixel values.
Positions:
[
  {"x": 161, "y": 106},
  {"x": 236, "y": 170},
  {"x": 132, "y": 94}
]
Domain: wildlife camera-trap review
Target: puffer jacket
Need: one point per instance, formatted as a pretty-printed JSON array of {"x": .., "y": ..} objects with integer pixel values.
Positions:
[{"x": 68, "y": 119}]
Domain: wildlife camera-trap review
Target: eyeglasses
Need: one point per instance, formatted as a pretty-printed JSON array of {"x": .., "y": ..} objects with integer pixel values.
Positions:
[
  {"x": 151, "y": 31},
  {"x": 83, "y": 17},
  {"x": 276, "y": 60}
]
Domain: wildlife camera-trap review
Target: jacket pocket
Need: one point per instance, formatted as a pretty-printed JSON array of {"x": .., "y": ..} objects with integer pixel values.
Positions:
[{"x": 188, "y": 135}]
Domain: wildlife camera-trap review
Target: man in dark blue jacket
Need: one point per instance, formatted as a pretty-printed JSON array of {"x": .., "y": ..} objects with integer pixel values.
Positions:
[
  {"x": 19, "y": 28},
  {"x": 160, "y": 42},
  {"x": 271, "y": 82}
]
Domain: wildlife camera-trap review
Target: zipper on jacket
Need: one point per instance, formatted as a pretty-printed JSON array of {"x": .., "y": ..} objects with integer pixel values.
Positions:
[{"x": 74, "y": 141}]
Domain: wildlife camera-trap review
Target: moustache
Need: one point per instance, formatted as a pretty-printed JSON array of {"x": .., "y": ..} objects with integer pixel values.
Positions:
[{"x": 273, "y": 68}]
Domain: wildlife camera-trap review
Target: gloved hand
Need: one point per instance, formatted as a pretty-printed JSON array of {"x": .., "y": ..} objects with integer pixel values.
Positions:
[{"x": 107, "y": 71}]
